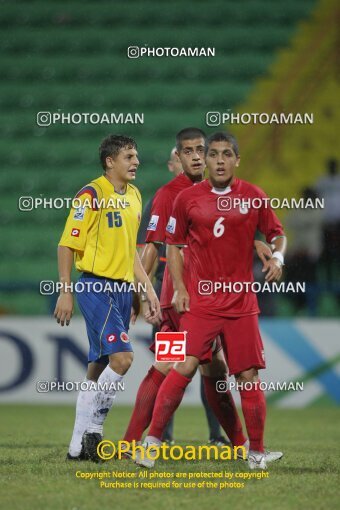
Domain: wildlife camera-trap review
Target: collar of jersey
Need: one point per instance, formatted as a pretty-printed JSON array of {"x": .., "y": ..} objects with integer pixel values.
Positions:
[
  {"x": 111, "y": 187},
  {"x": 224, "y": 191}
]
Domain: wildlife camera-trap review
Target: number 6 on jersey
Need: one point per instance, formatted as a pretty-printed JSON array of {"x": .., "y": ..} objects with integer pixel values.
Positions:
[{"x": 219, "y": 228}]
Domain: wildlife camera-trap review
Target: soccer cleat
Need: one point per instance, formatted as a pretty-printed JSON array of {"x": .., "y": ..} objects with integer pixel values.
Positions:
[
  {"x": 273, "y": 456},
  {"x": 219, "y": 441},
  {"x": 257, "y": 460},
  {"x": 147, "y": 460},
  {"x": 79, "y": 457},
  {"x": 90, "y": 441},
  {"x": 240, "y": 454}
]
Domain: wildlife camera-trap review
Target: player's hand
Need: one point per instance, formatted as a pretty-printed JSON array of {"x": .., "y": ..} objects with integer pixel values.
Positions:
[
  {"x": 274, "y": 268},
  {"x": 263, "y": 251},
  {"x": 155, "y": 321},
  {"x": 64, "y": 308},
  {"x": 153, "y": 310},
  {"x": 181, "y": 300}
]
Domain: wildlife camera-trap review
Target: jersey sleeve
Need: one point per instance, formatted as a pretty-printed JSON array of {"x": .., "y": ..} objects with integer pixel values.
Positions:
[
  {"x": 144, "y": 224},
  {"x": 80, "y": 219},
  {"x": 268, "y": 223},
  {"x": 160, "y": 212},
  {"x": 177, "y": 227}
]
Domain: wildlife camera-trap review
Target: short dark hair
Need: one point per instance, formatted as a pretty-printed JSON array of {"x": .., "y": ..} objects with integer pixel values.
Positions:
[
  {"x": 188, "y": 134},
  {"x": 112, "y": 145},
  {"x": 221, "y": 136}
]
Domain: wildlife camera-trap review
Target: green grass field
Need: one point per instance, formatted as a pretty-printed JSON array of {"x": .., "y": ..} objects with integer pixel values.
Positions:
[{"x": 34, "y": 474}]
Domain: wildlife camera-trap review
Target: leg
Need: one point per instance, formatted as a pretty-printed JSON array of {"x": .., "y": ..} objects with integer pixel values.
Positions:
[
  {"x": 213, "y": 423},
  {"x": 148, "y": 389},
  {"x": 170, "y": 396},
  {"x": 145, "y": 400},
  {"x": 253, "y": 407},
  {"x": 83, "y": 407},
  {"x": 254, "y": 411},
  {"x": 119, "y": 363},
  {"x": 245, "y": 354},
  {"x": 222, "y": 403}
]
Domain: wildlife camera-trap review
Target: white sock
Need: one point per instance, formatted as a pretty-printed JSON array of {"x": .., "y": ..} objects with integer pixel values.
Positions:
[
  {"x": 103, "y": 399},
  {"x": 83, "y": 409}
]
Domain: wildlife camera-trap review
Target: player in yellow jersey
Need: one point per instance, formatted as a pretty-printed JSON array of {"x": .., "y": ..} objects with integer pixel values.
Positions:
[{"x": 100, "y": 237}]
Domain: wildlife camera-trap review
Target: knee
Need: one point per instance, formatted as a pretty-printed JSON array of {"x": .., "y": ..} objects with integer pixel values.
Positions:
[
  {"x": 164, "y": 368},
  {"x": 188, "y": 367},
  {"x": 250, "y": 375},
  {"x": 121, "y": 362},
  {"x": 217, "y": 369}
]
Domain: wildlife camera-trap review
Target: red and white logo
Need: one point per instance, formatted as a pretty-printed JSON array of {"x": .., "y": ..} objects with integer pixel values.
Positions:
[
  {"x": 124, "y": 337},
  {"x": 111, "y": 338},
  {"x": 75, "y": 232},
  {"x": 170, "y": 346}
]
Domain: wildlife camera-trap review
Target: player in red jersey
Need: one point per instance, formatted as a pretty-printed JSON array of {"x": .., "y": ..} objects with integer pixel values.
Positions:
[
  {"x": 220, "y": 238},
  {"x": 190, "y": 144}
]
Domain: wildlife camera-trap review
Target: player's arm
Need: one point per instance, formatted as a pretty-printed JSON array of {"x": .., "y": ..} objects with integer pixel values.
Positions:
[
  {"x": 149, "y": 256},
  {"x": 271, "y": 227},
  {"x": 181, "y": 298},
  {"x": 176, "y": 237},
  {"x": 72, "y": 240},
  {"x": 64, "y": 307},
  {"x": 158, "y": 213},
  {"x": 263, "y": 250},
  {"x": 153, "y": 312}
]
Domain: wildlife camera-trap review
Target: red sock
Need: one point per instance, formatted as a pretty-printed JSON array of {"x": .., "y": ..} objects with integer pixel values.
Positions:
[
  {"x": 254, "y": 412},
  {"x": 145, "y": 401},
  {"x": 168, "y": 399},
  {"x": 225, "y": 410}
]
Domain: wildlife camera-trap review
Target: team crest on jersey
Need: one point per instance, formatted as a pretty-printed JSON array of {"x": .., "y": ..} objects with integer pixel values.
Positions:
[
  {"x": 75, "y": 232},
  {"x": 244, "y": 209},
  {"x": 79, "y": 213},
  {"x": 111, "y": 338},
  {"x": 171, "y": 226},
  {"x": 153, "y": 222},
  {"x": 124, "y": 337}
]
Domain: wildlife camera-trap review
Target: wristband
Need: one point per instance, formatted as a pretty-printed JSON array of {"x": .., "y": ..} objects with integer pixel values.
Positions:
[
  {"x": 278, "y": 255},
  {"x": 143, "y": 297}
]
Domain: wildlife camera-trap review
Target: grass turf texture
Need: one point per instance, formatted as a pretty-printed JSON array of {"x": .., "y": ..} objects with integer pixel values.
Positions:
[{"x": 35, "y": 475}]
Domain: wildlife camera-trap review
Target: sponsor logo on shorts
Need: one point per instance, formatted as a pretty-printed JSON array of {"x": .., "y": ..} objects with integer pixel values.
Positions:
[
  {"x": 75, "y": 232},
  {"x": 170, "y": 346},
  {"x": 153, "y": 222},
  {"x": 111, "y": 338},
  {"x": 171, "y": 226},
  {"x": 124, "y": 337}
]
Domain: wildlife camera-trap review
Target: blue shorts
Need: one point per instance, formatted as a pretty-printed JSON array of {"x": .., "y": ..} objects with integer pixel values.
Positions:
[{"x": 107, "y": 317}]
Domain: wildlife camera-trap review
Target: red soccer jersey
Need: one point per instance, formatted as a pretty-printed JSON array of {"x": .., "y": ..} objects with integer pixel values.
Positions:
[
  {"x": 221, "y": 243},
  {"x": 156, "y": 232}
]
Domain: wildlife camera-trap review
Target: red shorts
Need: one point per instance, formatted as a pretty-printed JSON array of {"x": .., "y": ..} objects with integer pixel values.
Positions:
[
  {"x": 171, "y": 322},
  {"x": 241, "y": 339}
]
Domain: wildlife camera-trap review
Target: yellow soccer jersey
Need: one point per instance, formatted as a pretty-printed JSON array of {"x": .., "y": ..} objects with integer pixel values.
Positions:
[{"x": 103, "y": 230}]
